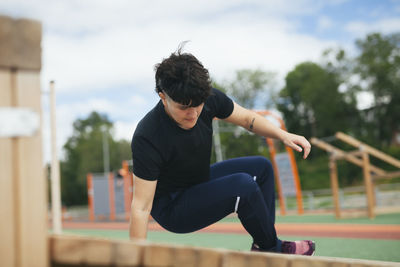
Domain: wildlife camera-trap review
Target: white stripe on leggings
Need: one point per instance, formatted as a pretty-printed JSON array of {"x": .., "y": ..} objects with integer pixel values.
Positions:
[
  {"x": 255, "y": 178},
  {"x": 237, "y": 204}
]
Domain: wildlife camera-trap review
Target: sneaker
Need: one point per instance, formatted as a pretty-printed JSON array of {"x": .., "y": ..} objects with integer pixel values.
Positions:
[
  {"x": 255, "y": 247},
  {"x": 303, "y": 247}
]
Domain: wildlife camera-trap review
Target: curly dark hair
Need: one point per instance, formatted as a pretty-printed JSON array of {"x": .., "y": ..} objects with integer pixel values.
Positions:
[{"x": 183, "y": 78}]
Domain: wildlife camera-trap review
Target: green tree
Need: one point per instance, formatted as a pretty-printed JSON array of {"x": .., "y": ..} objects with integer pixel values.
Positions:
[
  {"x": 84, "y": 154},
  {"x": 248, "y": 88},
  {"x": 378, "y": 65},
  {"x": 312, "y": 104}
]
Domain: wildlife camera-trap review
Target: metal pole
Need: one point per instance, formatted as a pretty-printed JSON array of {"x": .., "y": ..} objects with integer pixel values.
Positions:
[
  {"x": 217, "y": 141},
  {"x": 55, "y": 167},
  {"x": 106, "y": 156}
]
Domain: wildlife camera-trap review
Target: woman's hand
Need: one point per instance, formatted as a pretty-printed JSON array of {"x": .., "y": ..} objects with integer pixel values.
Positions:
[{"x": 297, "y": 142}]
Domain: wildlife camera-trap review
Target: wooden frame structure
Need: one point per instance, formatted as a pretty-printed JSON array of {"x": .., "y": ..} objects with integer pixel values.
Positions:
[{"x": 359, "y": 157}]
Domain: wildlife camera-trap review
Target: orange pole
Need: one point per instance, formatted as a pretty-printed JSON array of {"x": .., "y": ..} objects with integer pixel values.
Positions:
[
  {"x": 127, "y": 201},
  {"x": 296, "y": 178},
  {"x": 90, "y": 196},
  {"x": 295, "y": 172},
  {"x": 276, "y": 176},
  {"x": 111, "y": 195}
]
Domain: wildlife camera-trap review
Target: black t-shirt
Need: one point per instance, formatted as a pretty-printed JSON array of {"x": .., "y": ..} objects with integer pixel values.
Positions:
[{"x": 177, "y": 158}]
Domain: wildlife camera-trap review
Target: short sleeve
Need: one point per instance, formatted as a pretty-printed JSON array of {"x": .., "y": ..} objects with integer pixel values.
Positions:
[
  {"x": 146, "y": 158},
  {"x": 221, "y": 104}
]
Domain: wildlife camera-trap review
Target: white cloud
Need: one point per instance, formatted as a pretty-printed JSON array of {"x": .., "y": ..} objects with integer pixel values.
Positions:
[
  {"x": 124, "y": 130},
  {"x": 324, "y": 23},
  {"x": 93, "y": 47},
  {"x": 361, "y": 28}
]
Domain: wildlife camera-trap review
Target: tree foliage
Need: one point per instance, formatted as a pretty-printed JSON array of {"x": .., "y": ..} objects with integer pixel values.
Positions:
[
  {"x": 246, "y": 89},
  {"x": 378, "y": 65},
  {"x": 312, "y": 104},
  {"x": 84, "y": 154}
]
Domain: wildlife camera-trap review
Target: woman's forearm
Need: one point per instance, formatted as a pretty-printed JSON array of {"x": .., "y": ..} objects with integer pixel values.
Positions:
[
  {"x": 261, "y": 126},
  {"x": 138, "y": 224}
]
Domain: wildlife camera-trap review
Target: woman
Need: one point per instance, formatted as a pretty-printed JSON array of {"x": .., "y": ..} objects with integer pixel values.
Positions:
[{"x": 171, "y": 150}]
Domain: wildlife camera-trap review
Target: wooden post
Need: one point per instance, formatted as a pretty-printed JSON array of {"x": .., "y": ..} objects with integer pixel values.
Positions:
[
  {"x": 23, "y": 191},
  {"x": 334, "y": 185},
  {"x": 55, "y": 167},
  {"x": 368, "y": 185}
]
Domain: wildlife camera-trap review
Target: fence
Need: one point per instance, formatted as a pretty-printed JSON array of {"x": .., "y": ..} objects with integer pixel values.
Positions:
[{"x": 387, "y": 196}]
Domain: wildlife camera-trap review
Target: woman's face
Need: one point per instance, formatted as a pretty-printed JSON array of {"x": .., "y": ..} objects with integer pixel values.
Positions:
[{"x": 185, "y": 116}]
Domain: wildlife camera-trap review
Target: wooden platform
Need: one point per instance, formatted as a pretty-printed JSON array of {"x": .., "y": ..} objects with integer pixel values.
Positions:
[{"x": 83, "y": 251}]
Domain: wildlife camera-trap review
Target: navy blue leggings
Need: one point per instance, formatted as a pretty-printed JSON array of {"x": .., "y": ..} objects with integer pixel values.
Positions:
[{"x": 243, "y": 185}]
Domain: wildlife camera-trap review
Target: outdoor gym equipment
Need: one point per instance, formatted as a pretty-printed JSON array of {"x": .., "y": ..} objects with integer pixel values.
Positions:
[
  {"x": 109, "y": 195},
  {"x": 360, "y": 158}
]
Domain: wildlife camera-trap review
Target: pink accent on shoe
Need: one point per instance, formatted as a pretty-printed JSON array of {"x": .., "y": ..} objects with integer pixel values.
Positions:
[{"x": 303, "y": 247}]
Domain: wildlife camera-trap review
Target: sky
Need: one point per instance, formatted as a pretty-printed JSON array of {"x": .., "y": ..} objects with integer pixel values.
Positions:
[{"x": 101, "y": 54}]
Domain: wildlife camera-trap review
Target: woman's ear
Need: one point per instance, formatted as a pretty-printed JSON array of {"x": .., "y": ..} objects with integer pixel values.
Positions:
[{"x": 162, "y": 96}]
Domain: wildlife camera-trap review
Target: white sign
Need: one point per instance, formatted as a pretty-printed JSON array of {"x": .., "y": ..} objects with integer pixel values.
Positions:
[
  {"x": 285, "y": 174},
  {"x": 18, "y": 122}
]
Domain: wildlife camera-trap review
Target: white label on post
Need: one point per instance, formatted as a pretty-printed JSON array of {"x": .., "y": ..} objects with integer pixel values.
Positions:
[{"x": 17, "y": 122}]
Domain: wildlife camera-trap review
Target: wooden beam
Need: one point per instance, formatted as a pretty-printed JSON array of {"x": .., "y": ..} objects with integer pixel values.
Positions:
[
  {"x": 31, "y": 187},
  {"x": 374, "y": 152},
  {"x": 7, "y": 208},
  {"x": 342, "y": 154},
  {"x": 23, "y": 191},
  {"x": 387, "y": 175},
  {"x": 84, "y": 251}
]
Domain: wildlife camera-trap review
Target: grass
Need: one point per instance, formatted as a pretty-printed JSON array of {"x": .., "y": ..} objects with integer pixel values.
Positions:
[{"x": 392, "y": 218}]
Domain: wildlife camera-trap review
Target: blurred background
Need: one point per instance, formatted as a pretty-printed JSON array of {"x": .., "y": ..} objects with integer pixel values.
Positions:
[{"x": 322, "y": 66}]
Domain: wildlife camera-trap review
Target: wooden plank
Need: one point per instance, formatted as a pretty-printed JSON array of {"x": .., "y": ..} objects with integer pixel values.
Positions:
[
  {"x": 209, "y": 257},
  {"x": 235, "y": 259},
  {"x": 374, "y": 152},
  {"x": 387, "y": 175},
  {"x": 342, "y": 154},
  {"x": 30, "y": 191},
  {"x": 86, "y": 251},
  {"x": 128, "y": 253},
  {"x": 78, "y": 250},
  {"x": 7, "y": 208},
  {"x": 67, "y": 249},
  {"x": 158, "y": 256}
]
